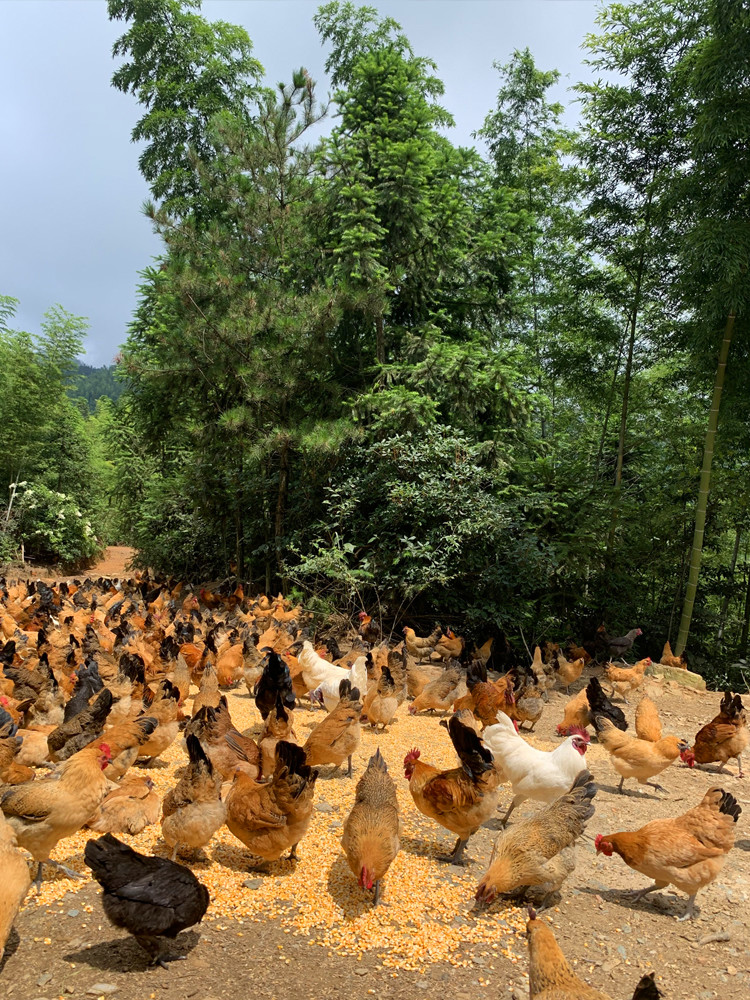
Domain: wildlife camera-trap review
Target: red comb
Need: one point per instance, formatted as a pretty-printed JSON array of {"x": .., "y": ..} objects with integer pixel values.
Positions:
[{"x": 577, "y": 731}]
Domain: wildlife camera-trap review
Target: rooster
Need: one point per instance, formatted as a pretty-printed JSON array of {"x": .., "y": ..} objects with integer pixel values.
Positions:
[
  {"x": 462, "y": 798},
  {"x": 535, "y": 774}
]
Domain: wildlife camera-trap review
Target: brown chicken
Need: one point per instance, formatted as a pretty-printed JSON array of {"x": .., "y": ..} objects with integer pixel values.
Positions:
[
  {"x": 439, "y": 695},
  {"x": 551, "y": 978},
  {"x": 575, "y": 714},
  {"x": 574, "y": 652},
  {"x": 634, "y": 758},
  {"x": 193, "y": 811},
  {"x": 449, "y": 646},
  {"x": 181, "y": 677},
  {"x": 208, "y": 693},
  {"x": 462, "y": 798},
  {"x": 533, "y": 859},
  {"x": 129, "y": 808},
  {"x": 371, "y": 830},
  {"x": 44, "y": 812},
  {"x": 335, "y": 739},
  {"x": 11, "y": 772},
  {"x": 687, "y": 852},
  {"x": 486, "y": 699},
  {"x": 483, "y": 652},
  {"x": 382, "y": 707},
  {"x": 420, "y": 647},
  {"x": 418, "y": 676},
  {"x": 647, "y": 721},
  {"x": 15, "y": 881},
  {"x": 227, "y": 749},
  {"x": 567, "y": 672},
  {"x": 271, "y": 817},
  {"x": 670, "y": 660},
  {"x": 125, "y": 742},
  {"x": 164, "y": 707},
  {"x": 230, "y": 663},
  {"x": 626, "y": 679},
  {"x": 724, "y": 737}
]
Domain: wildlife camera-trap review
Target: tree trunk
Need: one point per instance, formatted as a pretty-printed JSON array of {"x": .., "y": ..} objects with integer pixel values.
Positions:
[
  {"x": 380, "y": 338},
  {"x": 742, "y": 652},
  {"x": 608, "y": 412},
  {"x": 705, "y": 485},
  {"x": 281, "y": 503},
  {"x": 728, "y": 598},
  {"x": 623, "y": 425}
]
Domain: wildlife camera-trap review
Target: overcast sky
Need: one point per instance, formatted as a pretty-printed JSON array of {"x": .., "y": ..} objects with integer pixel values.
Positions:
[{"x": 71, "y": 229}]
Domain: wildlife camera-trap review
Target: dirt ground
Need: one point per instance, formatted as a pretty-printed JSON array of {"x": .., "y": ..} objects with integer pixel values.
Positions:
[{"x": 65, "y": 947}]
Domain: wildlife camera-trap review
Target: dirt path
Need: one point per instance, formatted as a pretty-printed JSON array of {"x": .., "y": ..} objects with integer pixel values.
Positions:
[{"x": 114, "y": 563}]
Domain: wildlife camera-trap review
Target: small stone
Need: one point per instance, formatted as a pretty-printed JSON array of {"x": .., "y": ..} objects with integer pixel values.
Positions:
[
  {"x": 627, "y": 929},
  {"x": 73, "y": 913},
  {"x": 731, "y": 971},
  {"x": 99, "y": 988},
  {"x": 422, "y": 985},
  {"x": 324, "y": 807},
  {"x": 336, "y": 824},
  {"x": 253, "y": 883},
  {"x": 44, "y": 979},
  {"x": 621, "y": 952},
  {"x": 361, "y": 972}
]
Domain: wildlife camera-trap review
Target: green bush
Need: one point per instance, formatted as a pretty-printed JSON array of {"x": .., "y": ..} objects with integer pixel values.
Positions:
[{"x": 52, "y": 526}]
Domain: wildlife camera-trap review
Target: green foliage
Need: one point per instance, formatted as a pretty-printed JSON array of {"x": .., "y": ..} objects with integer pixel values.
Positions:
[
  {"x": 53, "y": 526},
  {"x": 93, "y": 383}
]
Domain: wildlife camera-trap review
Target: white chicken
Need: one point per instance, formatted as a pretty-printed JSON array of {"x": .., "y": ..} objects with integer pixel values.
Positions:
[
  {"x": 323, "y": 678},
  {"x": 541, "y": 775}
]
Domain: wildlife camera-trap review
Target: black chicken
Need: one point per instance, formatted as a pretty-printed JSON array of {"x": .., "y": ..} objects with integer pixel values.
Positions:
[
  {"x": 274, "y": 680},
  {"x": 151, "y": 898},
  {"x": 599, "y": 704}
]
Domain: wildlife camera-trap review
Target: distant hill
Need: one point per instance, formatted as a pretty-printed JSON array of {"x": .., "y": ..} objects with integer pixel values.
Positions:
[{"x": 95, "y": 382}]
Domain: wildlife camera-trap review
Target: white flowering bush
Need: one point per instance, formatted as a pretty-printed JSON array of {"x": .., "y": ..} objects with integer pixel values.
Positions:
[{"x": 52, "y": 526}]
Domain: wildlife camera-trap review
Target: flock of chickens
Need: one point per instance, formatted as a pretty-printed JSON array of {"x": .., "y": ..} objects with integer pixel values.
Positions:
[{"x": 95, "y": 677}]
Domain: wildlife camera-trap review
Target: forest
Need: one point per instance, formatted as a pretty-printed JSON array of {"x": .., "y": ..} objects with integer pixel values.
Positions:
[{"x": 502, "y": 387}]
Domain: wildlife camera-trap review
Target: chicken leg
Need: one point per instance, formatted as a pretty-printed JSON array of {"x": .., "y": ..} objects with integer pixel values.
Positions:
[
  {"x": 457, "y": 858},
  {"x": 688, "y": 914}
]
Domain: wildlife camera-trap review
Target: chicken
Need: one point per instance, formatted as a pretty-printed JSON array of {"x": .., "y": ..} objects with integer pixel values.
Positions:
[
  {"x": 208, "y": 693},
  {"x": 279, "y": 725},
  {"x": 599, "y": 704},
  {"x": 618, "y": 646},
  {"x": 418, "y": 676},
  {"x": 82, "y": 729},
  {"x": 337, "y": 737},
  {"x": 271, "y": 817},
  {"x": 567, "y": 672},
  {"x": 397, "y": 661},
  {"x": 670, "y": 660},
  {"x": 543, "y": 673},
  {"x": 11, "y": 772},
  {"x": 528, "y": 706},
  {"x": 541, "y": 775},
  {"x": 486, "y": 700},
  {"x": 369, "y": 630},
  {"x": 151, "y": 898},
  {"x": 439, "y": 695},
  {"x": 181, "y": 677},
  {"x": 164, "y": 707},
  {"x": 449, "y": 646},
  {"x": 687, "y": 852},
  {"x": 126, "y": 741},
  {"x": 274, "y": 679},
  {"x": 536, "y": 856},
  {"x": 129, "y": 808},
  {"x": 226, "y": 748},
  {"x": 575, "y": 714},
  {"x": 315, "y": 670},
  {"x": 230, "y": 662},
  {"x": 327, "y": 691},
  {"x": 724, "y": 737},
  {"x": 634, "y": 758},
  {"x": 574, "y": 652},
  {"x": 551, "y": 978},
  {"x": 483, "y": 652},
  {"x": 15, "y": 881},
  {"x": 371, "y": 830},
  {"x": 193, "y": 811},
  {"x": 382, "y": 708},
  {"x": 647, "y": 721},
  {"x": 625, "y": 679},
  {"x": 44, "y": 812},
  {"x": 460, "y": 799},
  {"x": 417, "y": 646},
  {"x": 253, "y": 667}
]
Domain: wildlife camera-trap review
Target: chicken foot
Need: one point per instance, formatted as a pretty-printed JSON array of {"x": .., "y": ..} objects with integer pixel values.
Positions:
[
  {"x": 68, "y": 872},
  {"x": 457, "y": 858},
  {"x": 152, "y": 946},
  {"x": 634, "y": 895}
]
